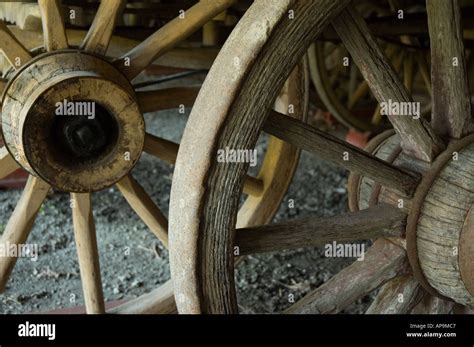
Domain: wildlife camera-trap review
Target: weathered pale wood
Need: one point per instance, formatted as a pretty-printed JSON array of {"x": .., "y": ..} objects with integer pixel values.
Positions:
[
  {"x": 159, "y": 301},
  {"x": 330, "y": 148},
  {"x": 379, "y": 221},
  {"x": 165, "y": 99},
  {"x": 98, "y": 38},
  {"x": 163, "y": 149},
  {"x": 7, "y": 164},
  {"x": 383, "y": 261},
  {"x": 21, "y": 222},
  {"x": 145, "y": 207},
  {"x": 440, "y": 229},
  {"x": 88, "y": 254},
  {"x": 53, "y": 25},
  {"x": 451, "y": 97},
  {"x": 168, "y": 151},
  {"x": 28, "y": 133},
  {"x": 16, "y": 54},
  {"x": 397, "y": 296},
  {"x": 170, "y": 35},
  {"x": 417, "y": 137},
  {"x": 430, "y": 304}
]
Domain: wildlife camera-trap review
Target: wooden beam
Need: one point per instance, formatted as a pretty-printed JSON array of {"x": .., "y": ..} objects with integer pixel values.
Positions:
[
  {"x": 170, "y": 35},
  {"x": 418, "y": 139},
  {"x": 21, "y": 222},
  {"x": 375, "y": 222},
  {"x": 383, "y": 261},
  {"x": 100, "y": 33},
  {"x": 331, "y": 148},
  {"x": 165, "y": 99},
  {"x": 451, "y": 97},
  {"x": 159, "y": 301},
  {"x": 398, "y": 296},
  {"x": 53, "y": 25},
  {"x": 433, "y": 305},
  {"x": 145, "y": 207},
  {"x": 88, "y": 254},
  {"x": 16, "y": 54}
]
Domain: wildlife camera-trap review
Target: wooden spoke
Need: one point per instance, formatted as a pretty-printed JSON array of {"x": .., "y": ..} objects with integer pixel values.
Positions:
[
  {"x": 144, "y": 206},
  {"x": 330, "y": 148},
  {"x": 253, "y": 186},
  {"x": 7, "y": 164},
  {"x": 383, "y": 261},
  {"x": 21, "y": 222},
  {"x": 196, "y": 58},
  {"x": 88, "y": 254},
  {"x": 418, "y": 139},
  {"x": 159, "y": 301},
  {"x": 377, "y": 116},
  {"x": 165, "y": 99},
  {"x": 14, "y": 51},
  {"x": 53, "y": 25},
  {"x": 100, "y": 33},
  {"x": 168, "y": 151},
  {"x": 451, "y": 97},
  {"x": 379, "y": 221},
  {"x": 170, "y": 35},
  {"x": 3, "y": 84},
  {"x": 397, "y": 296},
  {"x": 163, "y": 149},
  {"x": 433, "y": 305},
  {"x": 363, "y": 87}
]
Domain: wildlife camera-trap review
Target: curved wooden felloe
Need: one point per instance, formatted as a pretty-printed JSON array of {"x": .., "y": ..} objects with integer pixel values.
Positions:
[{"x": 259, "y": 26}]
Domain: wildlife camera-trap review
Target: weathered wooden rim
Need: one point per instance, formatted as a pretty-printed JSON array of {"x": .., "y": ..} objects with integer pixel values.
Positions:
[
  {"x": 417, "y": 204},
  {"x": 185, "y": 213}
]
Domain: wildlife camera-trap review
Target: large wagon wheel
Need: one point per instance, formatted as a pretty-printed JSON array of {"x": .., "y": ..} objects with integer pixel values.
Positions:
[
  {"x": 421, "y": 206},
  {"x": 72, "y": 156}
]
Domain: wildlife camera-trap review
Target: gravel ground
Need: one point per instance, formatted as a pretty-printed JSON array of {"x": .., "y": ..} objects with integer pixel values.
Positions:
[{"x": 133, "y": 262}]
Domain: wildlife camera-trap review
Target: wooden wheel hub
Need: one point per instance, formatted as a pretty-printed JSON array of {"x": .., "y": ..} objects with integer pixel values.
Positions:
[
  {"x": 72, "y": 119},
  {"x": 440, "y": 226}
]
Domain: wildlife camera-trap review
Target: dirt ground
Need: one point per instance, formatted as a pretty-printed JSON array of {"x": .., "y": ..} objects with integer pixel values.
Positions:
[{"x": 133, "y": 262}]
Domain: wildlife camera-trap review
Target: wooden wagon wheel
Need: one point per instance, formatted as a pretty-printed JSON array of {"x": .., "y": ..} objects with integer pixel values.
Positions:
[
  {"x": 81, "y": 67},
  {"x": 421, "y": 212}
]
